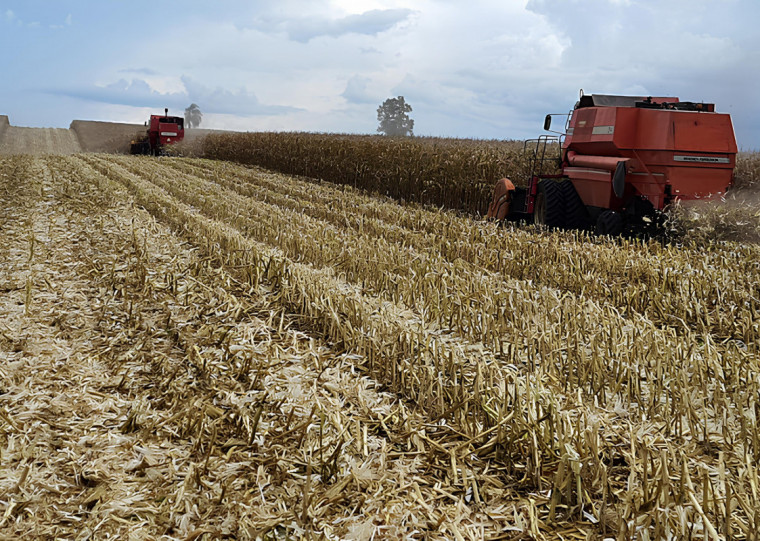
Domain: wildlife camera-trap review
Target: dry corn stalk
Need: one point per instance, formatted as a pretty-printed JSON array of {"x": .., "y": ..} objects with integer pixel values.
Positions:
[{"x": 587, "y": 392}]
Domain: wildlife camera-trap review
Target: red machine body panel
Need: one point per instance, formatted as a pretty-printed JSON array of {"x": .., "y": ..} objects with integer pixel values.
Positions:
[
  {"x": 165, "y": 130},
  {"x": 162, "y": 130},
  {"x": 671, "y": 150}
]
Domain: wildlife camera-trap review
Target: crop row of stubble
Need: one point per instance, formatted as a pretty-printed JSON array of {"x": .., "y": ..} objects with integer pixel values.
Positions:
[
  {"x": 662, "y": 380},
  {"x": 433, "y": 370},
  {"x": 371, "y": 326},
  {"x": 281, "y": 392},
  {"x": 452, "y": 173},
  {"x": 447, "y": 292},
  {"x": 711, "y": 289}
]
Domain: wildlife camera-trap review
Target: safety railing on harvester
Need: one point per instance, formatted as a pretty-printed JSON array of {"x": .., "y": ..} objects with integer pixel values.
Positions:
[{"x": 539, "y": 163}]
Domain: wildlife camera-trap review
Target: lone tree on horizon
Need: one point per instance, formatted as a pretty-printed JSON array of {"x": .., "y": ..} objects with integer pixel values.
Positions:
[
  {"x": 193, "y": 116},
  {"x": 393, "y": 116}
]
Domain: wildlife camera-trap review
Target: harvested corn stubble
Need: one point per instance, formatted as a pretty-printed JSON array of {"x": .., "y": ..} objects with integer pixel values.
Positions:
[{"x": 286, "y": 358}]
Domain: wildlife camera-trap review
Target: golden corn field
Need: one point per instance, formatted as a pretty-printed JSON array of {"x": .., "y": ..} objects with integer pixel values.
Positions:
[
  {"x": 457, "y": 174},
  {"x": 195, "y": 349},
  {"x": 450, "y": 173}
]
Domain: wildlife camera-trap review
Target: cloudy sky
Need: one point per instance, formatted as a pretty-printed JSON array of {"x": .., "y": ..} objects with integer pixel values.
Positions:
[{"x": 474, "y": 68}]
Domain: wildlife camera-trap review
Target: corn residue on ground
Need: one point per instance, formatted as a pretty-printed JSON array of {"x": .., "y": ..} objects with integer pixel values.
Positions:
[
  {"x": 198, "y": 350},
  {"x": 148, "y": 394}
]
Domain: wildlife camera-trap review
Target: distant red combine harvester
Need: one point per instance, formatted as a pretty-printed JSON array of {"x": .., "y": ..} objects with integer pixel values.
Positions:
[
  {"x": 623, "y": 159},
  {"x": 162, "y": 131}
]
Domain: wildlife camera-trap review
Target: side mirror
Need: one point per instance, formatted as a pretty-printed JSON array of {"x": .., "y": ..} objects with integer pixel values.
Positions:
[{"x": 547, "y": 122}]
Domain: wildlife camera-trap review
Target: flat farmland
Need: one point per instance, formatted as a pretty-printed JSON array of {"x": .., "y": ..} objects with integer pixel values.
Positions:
[
  {"x": 18, "y": 140},
  {"x": 82, "y": 136},
  {"x": 115, "y": 137},
  {"x": 193, "y": 349}
]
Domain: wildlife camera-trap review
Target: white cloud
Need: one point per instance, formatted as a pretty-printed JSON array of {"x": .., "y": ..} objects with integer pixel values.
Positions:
[
  {"x": 490, "y": 69},
  {"x": 486, "y": 68},
  {"x": 141, "y": 93},
  {"x": 304, "y": 29},
  {"x": 240, "y": 102}
]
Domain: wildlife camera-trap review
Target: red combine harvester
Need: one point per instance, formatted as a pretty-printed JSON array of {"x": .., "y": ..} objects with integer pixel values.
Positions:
[
  {"x": 623, "y": 159},
  {"x": 162, "y": 131}
]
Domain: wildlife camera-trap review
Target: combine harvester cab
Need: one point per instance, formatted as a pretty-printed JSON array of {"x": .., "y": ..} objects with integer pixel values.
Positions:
[
  {"x": 162, "y": 131},
  {"x": 623, "y": 160}
]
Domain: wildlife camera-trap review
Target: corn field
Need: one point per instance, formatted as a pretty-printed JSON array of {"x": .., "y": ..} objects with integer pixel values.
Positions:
[
  {"x": 295, "y": 358},
  {"x": 456, "y": 174}
]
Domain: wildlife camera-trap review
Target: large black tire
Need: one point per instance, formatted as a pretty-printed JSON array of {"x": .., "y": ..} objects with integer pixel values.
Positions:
[
  {"x": 576, "y": 214},
  {"x": 609, "y": 222},
  {"x": 549, "y": 210}
]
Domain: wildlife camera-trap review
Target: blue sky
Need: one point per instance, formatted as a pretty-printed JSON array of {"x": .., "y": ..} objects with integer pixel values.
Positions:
[{"x": 481, "y": 68}]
